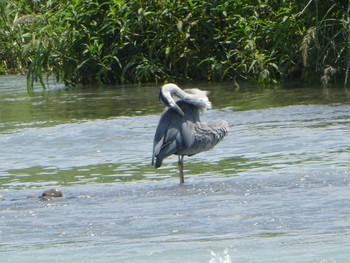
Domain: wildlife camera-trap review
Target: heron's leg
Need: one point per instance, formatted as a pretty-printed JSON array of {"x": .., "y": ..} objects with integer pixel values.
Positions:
[{"x": 181, "y": 168}]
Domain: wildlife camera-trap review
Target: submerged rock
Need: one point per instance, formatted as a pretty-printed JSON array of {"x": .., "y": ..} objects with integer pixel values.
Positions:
[{"x": 51, "y": 193}]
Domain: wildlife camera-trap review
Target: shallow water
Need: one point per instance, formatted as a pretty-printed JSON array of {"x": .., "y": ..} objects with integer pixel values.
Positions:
[{"x": 275, "y": 190}]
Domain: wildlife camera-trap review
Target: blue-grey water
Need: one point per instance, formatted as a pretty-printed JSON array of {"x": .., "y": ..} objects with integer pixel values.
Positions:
[{"x": 277, "y": 189}]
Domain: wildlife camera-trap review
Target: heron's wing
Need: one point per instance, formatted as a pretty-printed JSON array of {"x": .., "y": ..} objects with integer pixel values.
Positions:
[
  {"x": 188, "y": 133},
  {"x": 164, "y": 143}
]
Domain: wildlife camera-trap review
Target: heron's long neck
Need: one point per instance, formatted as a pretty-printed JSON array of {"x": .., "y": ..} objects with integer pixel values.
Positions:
[
  {"x": 196, "y": 97},
  {"x": 171, "y": 88}
]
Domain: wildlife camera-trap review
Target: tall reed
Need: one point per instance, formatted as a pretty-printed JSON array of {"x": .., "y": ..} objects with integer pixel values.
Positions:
[
  {"x": 119, "y": 41},
  {"x": 326, "y": 44}
]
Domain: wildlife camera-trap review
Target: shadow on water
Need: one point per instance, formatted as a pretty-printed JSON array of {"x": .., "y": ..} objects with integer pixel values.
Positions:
[
  {"x": 59, "y": 105},
  {"x": 40, "y": 176}
]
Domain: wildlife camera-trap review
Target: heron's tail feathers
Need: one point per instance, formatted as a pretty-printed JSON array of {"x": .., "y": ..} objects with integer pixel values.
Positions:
[
  {"x": 221, "y": 130},
  {"x": 159, "y": 162}
]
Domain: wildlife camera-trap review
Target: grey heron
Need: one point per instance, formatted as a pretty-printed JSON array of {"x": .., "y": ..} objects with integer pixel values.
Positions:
[{"x": 180, "y": 130}]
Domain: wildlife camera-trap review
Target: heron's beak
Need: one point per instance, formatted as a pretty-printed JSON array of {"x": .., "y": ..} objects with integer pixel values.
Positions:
[
  {"x": 177, "y": 108},
  {"x": 168, "y": 101}
]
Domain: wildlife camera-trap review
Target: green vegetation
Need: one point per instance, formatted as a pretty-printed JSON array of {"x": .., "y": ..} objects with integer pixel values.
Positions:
[{"x": 120, "y": 41}]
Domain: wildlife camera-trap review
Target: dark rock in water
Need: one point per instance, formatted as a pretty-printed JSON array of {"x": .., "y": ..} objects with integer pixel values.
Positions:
[{"x": 52, "y": 193}]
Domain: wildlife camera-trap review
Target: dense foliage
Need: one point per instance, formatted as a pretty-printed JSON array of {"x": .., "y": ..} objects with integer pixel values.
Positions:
[{"x": 121, "y": 41}]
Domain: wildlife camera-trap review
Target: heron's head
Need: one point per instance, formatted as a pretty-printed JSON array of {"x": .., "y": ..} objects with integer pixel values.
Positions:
[
  {"x": 199, "y": 98},
  {"x": 166, "y": 98}
]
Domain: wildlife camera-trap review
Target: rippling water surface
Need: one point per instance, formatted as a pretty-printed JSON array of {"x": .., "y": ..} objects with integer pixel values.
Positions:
[{"x": 277, "y": 189}]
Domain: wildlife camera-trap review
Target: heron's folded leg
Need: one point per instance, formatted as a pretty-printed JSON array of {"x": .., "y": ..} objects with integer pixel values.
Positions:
[{"x": 181, "y": 168}]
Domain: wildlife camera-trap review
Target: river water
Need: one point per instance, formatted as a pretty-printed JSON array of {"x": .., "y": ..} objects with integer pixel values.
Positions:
[{"x": 277, "y": 189}]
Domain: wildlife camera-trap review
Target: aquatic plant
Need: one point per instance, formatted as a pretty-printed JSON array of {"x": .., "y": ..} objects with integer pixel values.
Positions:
[
  {"x": 326, "y": 43},
  {"x": 117, "y": 41}
]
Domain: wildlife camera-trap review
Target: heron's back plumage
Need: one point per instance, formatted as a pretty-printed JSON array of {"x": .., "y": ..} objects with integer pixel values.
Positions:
[{"x": 206, "y": 136}]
